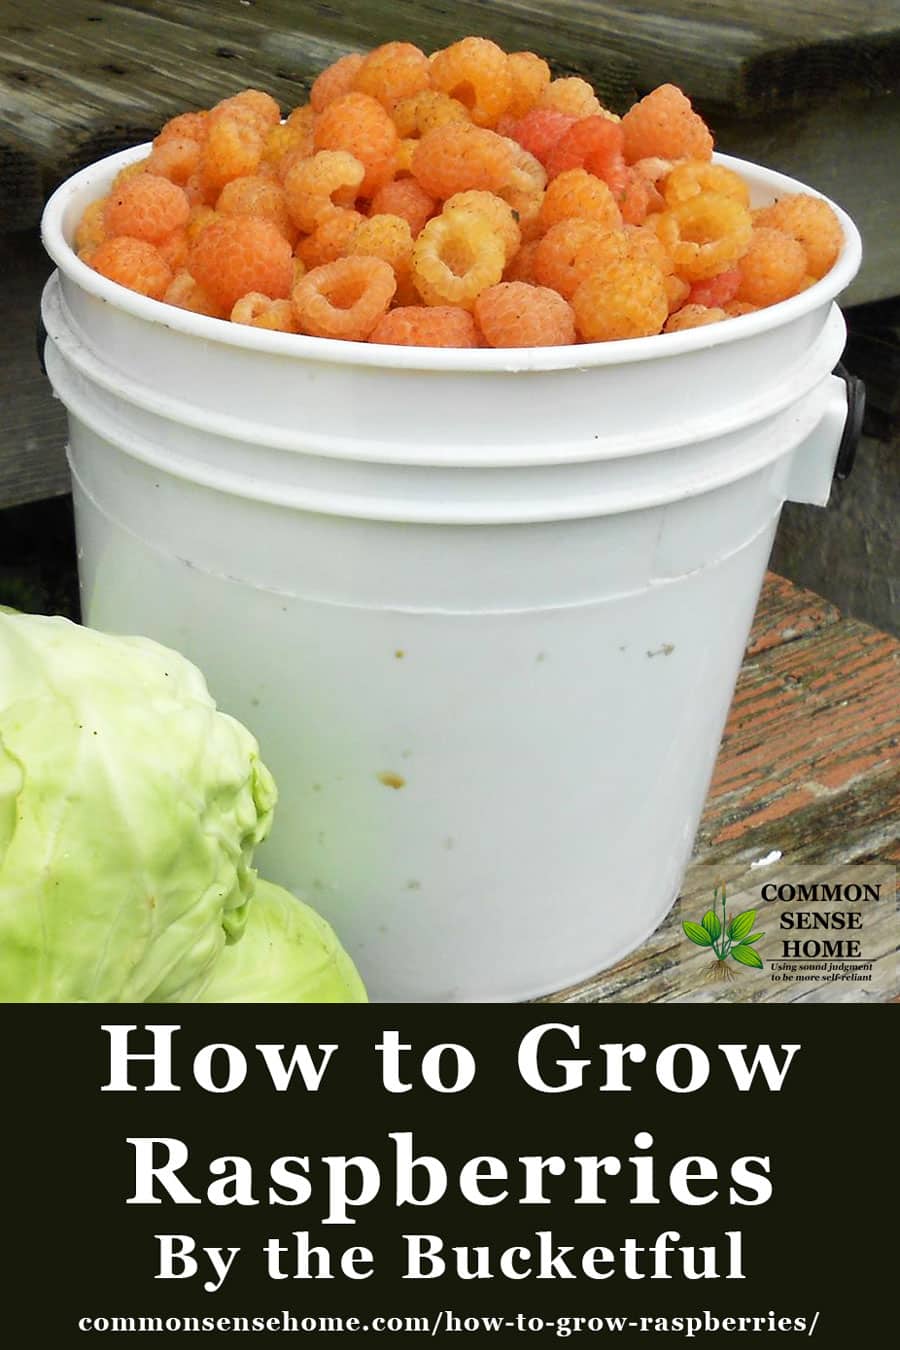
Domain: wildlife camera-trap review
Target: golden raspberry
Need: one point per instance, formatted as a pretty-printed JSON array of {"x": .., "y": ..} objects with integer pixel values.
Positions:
[
  {"x": 434, "y": 326},
  {"x": 345, "y": 298},
  {"x": 232, "y": 149},
  {"x": 91, "y": 231},
  {"x": 772, "y": 269},
  {"x": 459, "y": 157},
  {"x": 237, "y": 254},
  {"x": 200, "y": 217},
  {"x": 146, "y": 207},
  {"x": 693, "y": 176},
  {"x": 677, "y": 291},
  {"x": 524, "y": 192},
  {"x": 314, "y": 186},
  {"x": 812, "y": 223},
  {"x": 407, "y": 198},
  {"x": 184, "y": 293},
  {"x": 530, "y": 76},
  {"x": 571, "y": 96},
  {"x": 705, "y": 234},
  {"x": 258, "y": 311},
  {"x": 133, "y": 263},
  {"x": 386, "y": 237},
  {"x": 130, "y": 171},
  {"x": 335, "y": 81},
  {"x": 331, "y": 237},
  {"x": 664, "y": 124},
  {"x": 403, "y": 159},
  {"x": 474, "y": 71},
  {"x": 261, "y": 197},
  {"x": 514, "y": 314},
  {"x": 578, "y": 193},
  {"x": 455, "y": 258},
  {"x": 358, "y": 124},
  {"x": 252, "y": 106},
  {"x": 735, "y": 308},
  {"x": 495, "y": 210},
  {"x": 693, "y": 316},
  {"x": 293, "y": 138},
  {"x": 625, "y": 299},
  {"x": 393, "y": 71},
  {"x": 426, "y": 111}
]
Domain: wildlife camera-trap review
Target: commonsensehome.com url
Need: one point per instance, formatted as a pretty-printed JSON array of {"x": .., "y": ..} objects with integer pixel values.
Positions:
[{"x": 446, "y": 1321}]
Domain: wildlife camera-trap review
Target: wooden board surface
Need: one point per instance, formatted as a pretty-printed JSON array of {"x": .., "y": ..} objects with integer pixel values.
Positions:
[
  {"x": 809, "y": 768},
  {"x": 809, "y": 90}
]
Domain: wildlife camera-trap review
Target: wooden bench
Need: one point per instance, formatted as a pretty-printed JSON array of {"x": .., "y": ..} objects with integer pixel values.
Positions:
[{"x": 809, "y": 770}]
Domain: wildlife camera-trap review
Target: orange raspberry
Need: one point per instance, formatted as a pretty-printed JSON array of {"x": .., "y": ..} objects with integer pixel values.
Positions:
[
  {"x": 174, "y": 249},
  {"x": 718, "y": 290},
  {"x": 595, "y": 144},
  {"x": 425, "y": 111},
  {"x": 434, "y": 326},
  {"x": 677, "y": 292},
  {"x": 514, "y": 314},
  {"x": 772, "y": 269},
  {"x": 571, "y": 96},
  {"x": 459, "y": 157},
  {"x": 456, "y": 257},
  {"x": 259, "y": 311},
  {"x": 694, "y": 176},
  {"x": 403, "y": 159},
  {"x": 638, "y": 198},
  {"x": 335, "y": 81},
  {"x": 232, "y": 149},
  {"x": 330, "y": 238},
  {"x": 693, "y": 316},
  {"x": 253, "y": 106},
  {"x": 237, "y": 254},
  {"x": 175, "y": 158},
  {"x": 624, "y": 299},
  {"x": 496, "y": 211},
  {"x": 386, "y": 237},
  {"x": 260, "y": 197},
  {"x": 664, "y": 124},
  {"x": 133, "y": 263},
  {"x": 91, "y": 231},
  {"x": 358, "y": 124},
  {"x": 474, "y": 71},
  {"x": 530, "y": 76},
  {"x": 813, "y": 223},
  {"x": 345, "y": 298},
  {"x": 567, "y": 253},
  {"x": 189, "y": 125},
  {"x": 522, "y": 266},
  {"x": 407, "y": 198},
  {"x": 184, "y": 293},
  {"x": 578, "y": 193},
  {"x": 393, "y": 71},
  {"x": 147, "y": 207},
  {"x": 705, "y": 234},
  {"x": 540, "y": 130},
  {"x": 314, "y": 186}
]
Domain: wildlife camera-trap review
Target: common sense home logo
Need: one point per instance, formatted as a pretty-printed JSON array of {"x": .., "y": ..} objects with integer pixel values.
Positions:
[{"x": 727, "y": 939}]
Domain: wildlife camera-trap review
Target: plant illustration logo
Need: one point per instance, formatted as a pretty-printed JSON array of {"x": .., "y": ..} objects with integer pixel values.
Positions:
[{"x": 727, "y": 939}]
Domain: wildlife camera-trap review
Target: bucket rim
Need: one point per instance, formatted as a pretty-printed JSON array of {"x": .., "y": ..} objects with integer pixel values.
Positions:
[{"x": 510, "y": 360}]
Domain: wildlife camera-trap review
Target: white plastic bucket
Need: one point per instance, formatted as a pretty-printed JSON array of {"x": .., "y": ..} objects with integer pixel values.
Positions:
[{"x": 483, "y": 609}]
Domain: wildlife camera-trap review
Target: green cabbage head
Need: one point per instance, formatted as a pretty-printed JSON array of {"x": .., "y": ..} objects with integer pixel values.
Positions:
[
  {"x": 129, "y": 811},
  {"x": 288, "y": 954}
]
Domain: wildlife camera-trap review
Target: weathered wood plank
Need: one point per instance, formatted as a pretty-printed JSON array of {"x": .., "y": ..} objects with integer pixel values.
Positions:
[
  {"x": 32, "y": 422},
  {"x": 810, "y": 768}
]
